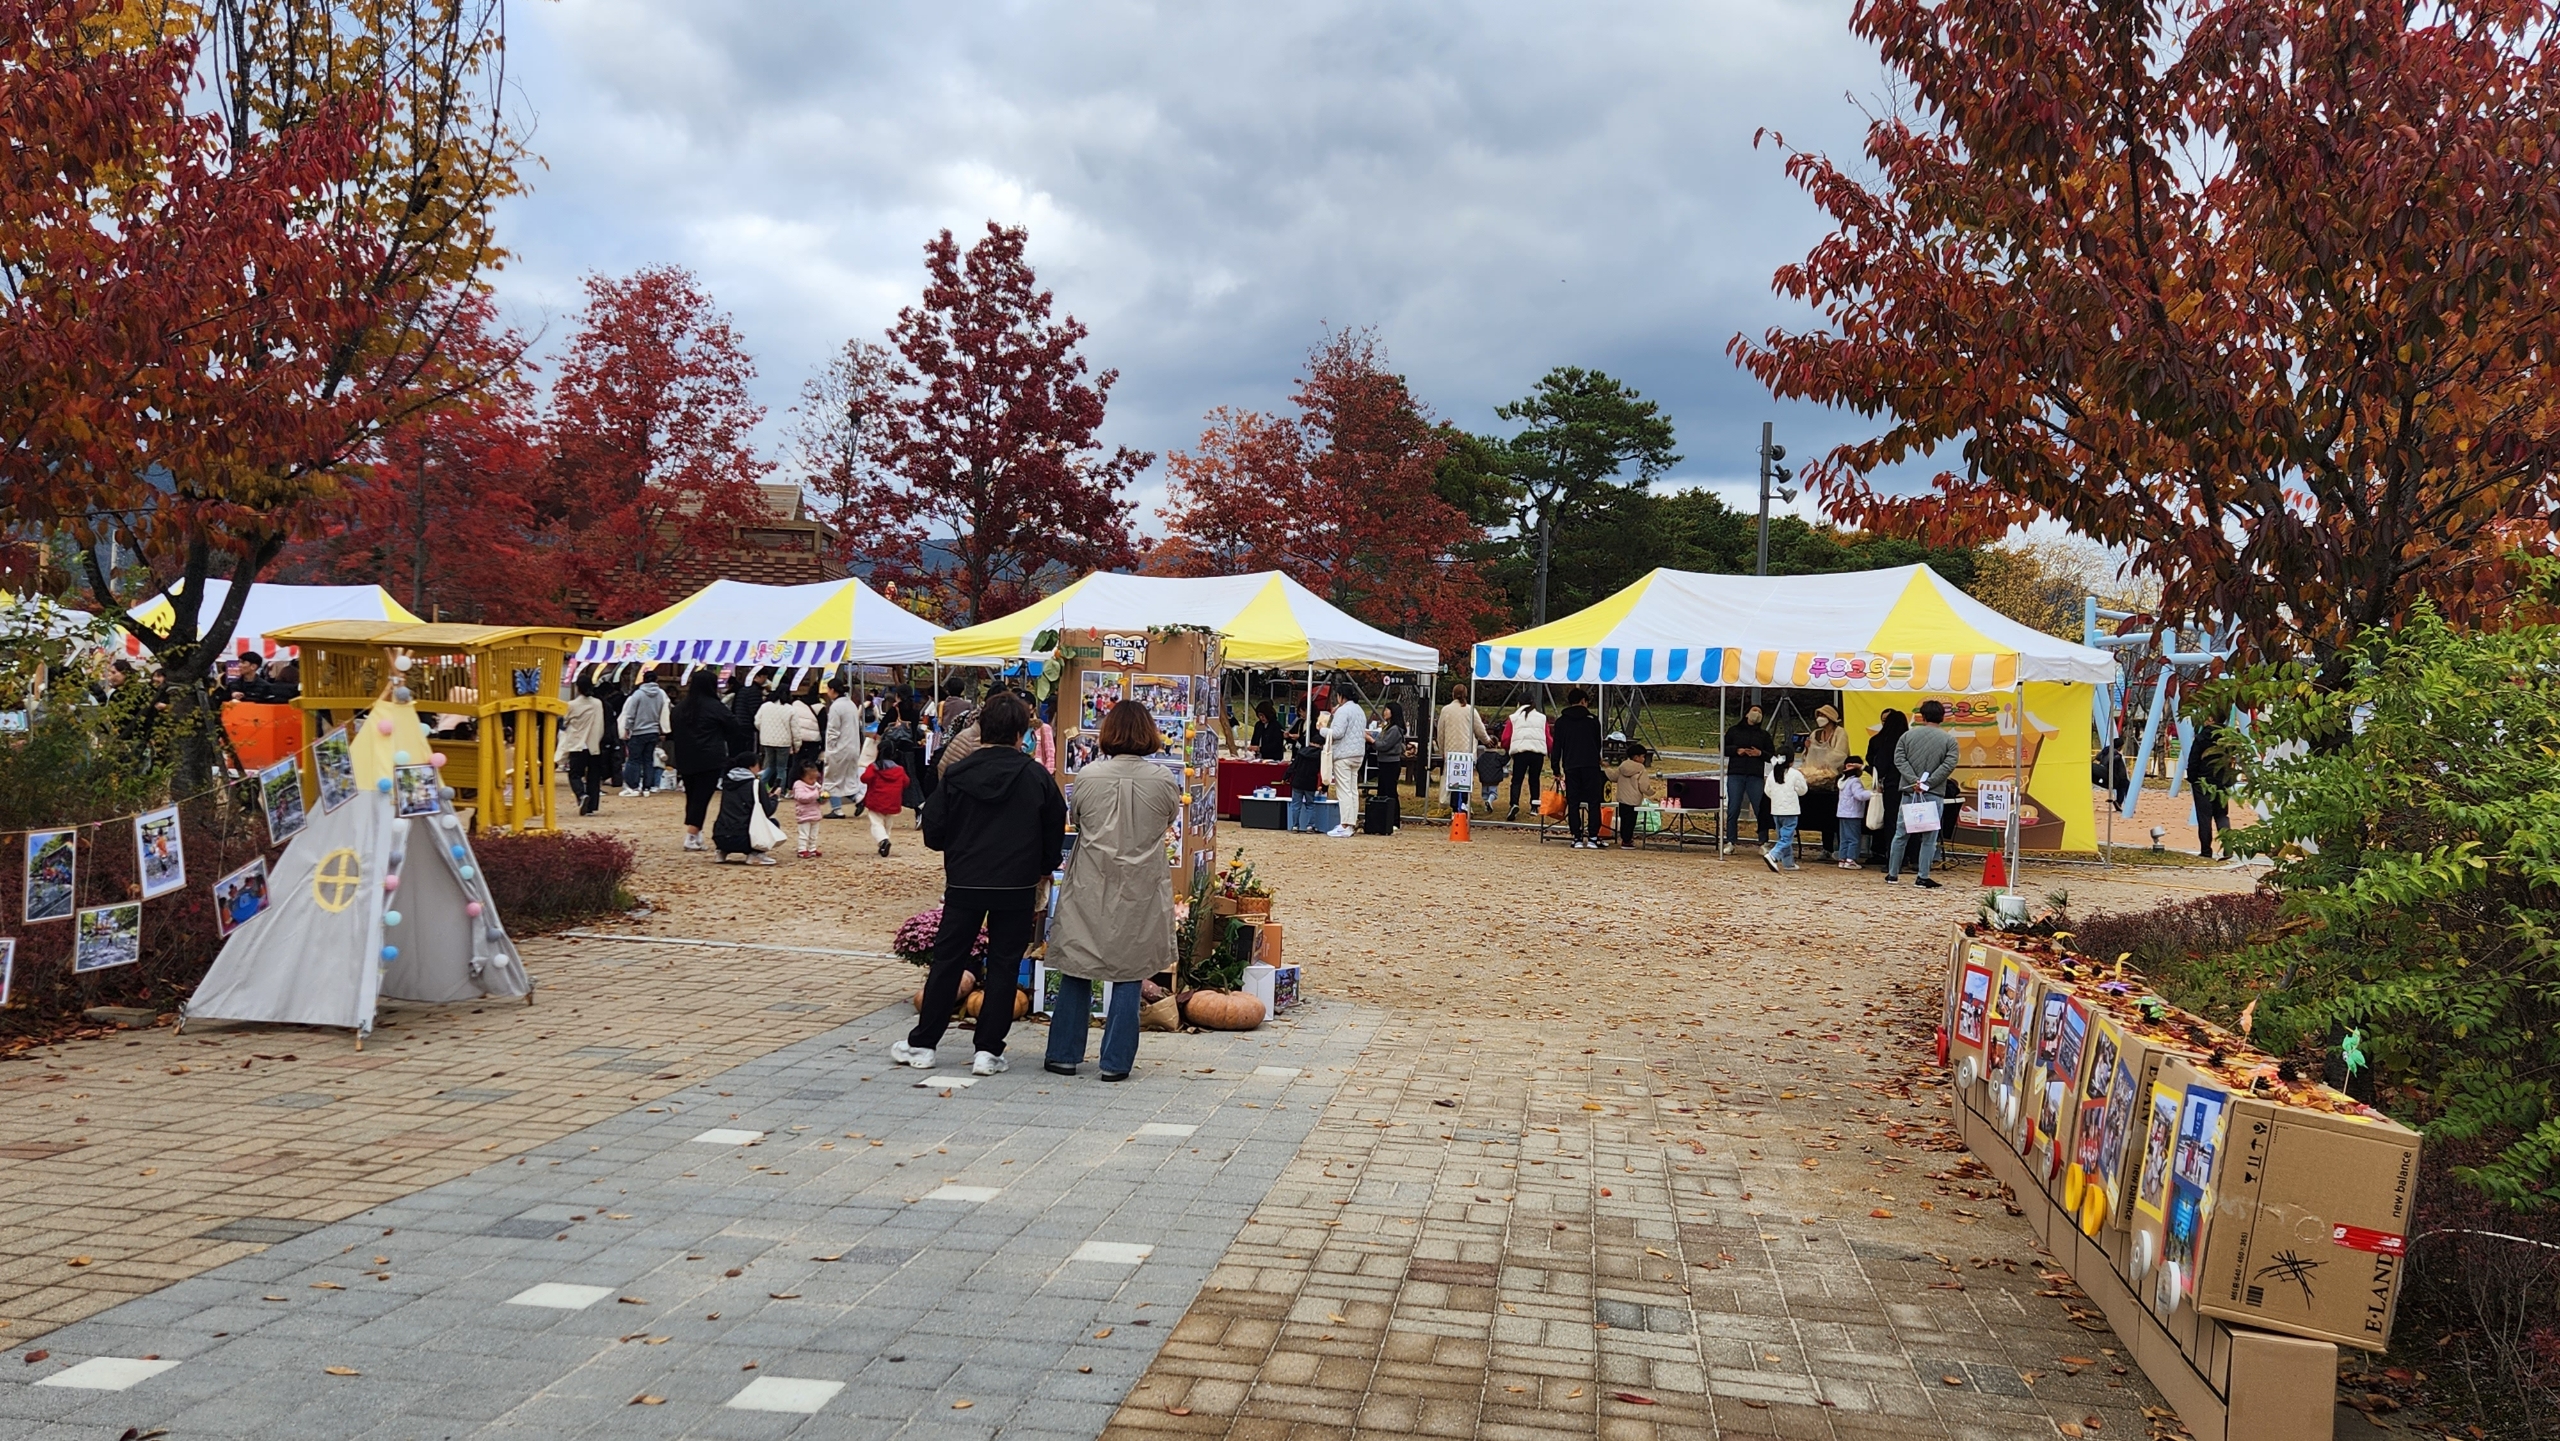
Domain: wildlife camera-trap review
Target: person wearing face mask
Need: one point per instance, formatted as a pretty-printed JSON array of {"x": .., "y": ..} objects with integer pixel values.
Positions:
[{"x": 1746, "y": 762}]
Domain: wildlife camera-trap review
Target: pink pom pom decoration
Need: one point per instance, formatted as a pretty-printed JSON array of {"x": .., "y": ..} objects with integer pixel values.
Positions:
[
  {"x": 383, "y": 725},
  {"x": 436, "y": 759},
  {"x": 472, "y": 909},
  {"x": 391, "y": 883}
]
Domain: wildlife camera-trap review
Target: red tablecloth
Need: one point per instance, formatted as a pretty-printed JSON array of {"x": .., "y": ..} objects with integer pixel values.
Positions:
[{"x": 1238, "y": 779}]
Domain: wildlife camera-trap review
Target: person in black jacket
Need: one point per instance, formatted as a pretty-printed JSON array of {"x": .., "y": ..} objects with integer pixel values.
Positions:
[
  {"x": 1573, "y": 744},
  {"x": 1001, "y": 826},
  {"x": 1747, "y": 748},
  {"x": 705, "y": 736},
  {"x": 1269, "y": 737}
]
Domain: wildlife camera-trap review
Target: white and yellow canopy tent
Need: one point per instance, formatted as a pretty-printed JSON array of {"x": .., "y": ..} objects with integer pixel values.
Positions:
[
  {"x": 796, "y": 627},
  {"x": 1881, "y": 638},
  {"x": 1264, "y": 620},
  {"x": 271, "y": 608}
]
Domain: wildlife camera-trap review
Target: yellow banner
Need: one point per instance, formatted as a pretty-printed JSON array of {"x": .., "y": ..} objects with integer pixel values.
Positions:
[{"x": 2059, "y": 810}]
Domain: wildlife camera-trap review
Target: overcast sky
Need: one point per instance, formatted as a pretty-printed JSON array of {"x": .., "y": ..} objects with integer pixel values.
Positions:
[{"x": 1497, "y": 188}]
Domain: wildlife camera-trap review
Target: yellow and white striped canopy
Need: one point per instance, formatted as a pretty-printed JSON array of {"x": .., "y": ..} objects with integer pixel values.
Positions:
[
  {"x": 1905, "y": 629},
  {"x": 1262, "y": 619},
  {"x": 272, "y": 608}
]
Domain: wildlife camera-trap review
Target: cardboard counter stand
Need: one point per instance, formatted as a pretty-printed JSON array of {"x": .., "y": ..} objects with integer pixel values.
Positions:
[
  {"x": 2227, "y": 1383},
  {"x": 2312, "y": 1226}
]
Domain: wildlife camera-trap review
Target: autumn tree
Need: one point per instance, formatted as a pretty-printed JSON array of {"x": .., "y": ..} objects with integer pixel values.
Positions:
[
  {"x": 447, "y": 515},
  {"x": 2262, "y": 292},
  {"x": 653, "y": 466},
  {"x": 1580, "y": 430},
  {"x": 1345, "y": 496},
  {"x": 213, "y": 311},
  {"x": 977, "y": 434}
]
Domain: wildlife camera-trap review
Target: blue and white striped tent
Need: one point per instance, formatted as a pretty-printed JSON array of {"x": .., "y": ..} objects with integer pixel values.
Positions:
[{"x": 730, "y": 622}]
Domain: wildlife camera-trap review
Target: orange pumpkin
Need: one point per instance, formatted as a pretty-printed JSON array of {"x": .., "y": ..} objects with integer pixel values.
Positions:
[{"x": 1223, "y": 1010}]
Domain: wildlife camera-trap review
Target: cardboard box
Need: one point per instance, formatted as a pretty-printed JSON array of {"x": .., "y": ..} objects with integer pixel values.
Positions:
[
  {"x": 2311, "y": 1223},
  {"x": 2185, "y": 1141},
  {"x": 2013, "y": 992},
  {"x": 1285, "y": 981},
  {"x": 1270, "y": 952},
  {"x": 2051, "y": 1108}
]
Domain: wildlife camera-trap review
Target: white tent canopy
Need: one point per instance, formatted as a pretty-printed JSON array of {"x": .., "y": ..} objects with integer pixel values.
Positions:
[
  {"x": 273, "y": 608},
  {"x": 732, "y": 622},
  {"x": 1905, "y": 629},
  {"x": 1263, "y": 619}
]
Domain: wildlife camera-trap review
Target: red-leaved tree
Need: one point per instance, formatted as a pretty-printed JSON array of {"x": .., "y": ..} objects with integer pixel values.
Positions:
[
  {"x": 2266, "y": 292},
  {"x": 974, "y": 433},
  {"x": 1342, "y": 496},
  {"x": 447, "y": 515},
  {"x": 653, "y": 466}
]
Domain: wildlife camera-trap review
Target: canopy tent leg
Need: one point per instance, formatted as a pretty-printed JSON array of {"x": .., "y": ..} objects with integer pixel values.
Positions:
[
  {"x": 2017, "y": 783},
  {"x": 1429, "y": 722}
]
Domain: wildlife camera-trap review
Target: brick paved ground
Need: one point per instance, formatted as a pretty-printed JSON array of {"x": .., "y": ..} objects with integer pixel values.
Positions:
[{"x": 1644, "y": 1123}]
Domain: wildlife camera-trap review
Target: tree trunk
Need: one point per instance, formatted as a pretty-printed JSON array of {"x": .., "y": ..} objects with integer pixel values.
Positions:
[{"x": 1546, "y": 547}]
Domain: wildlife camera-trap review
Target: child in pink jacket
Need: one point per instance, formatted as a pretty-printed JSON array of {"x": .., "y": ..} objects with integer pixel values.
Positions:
[
  {"x": 884, "y": 794},
  {"x": 808, "y": 806}
]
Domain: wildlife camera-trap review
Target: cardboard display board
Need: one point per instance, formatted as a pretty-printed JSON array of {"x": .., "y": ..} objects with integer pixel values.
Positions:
[
  {"x": 2313, "y": 1224},
  {"x": 1175, "y": 674}
]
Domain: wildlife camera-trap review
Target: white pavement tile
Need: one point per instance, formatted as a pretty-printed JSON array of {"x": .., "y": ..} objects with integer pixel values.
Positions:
[
  {"x": 107, "y": 1373},
  {"x": 794, "y": 1394},
  {"x": 1165, "y": 1128},
  {"x": 1276, "y": 1071},
  {"x": 946, "y": 1083},
  {"x": 1113, "y": 1253},
  {"x": 728, "y": 1136},
  {"x": 964, "y": 1193},
  {"x": 560, "y": 1296}
]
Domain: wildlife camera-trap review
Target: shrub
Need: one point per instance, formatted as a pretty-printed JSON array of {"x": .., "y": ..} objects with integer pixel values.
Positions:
[
  {"x": 916, "y": 933},
  {"x": 548, "y": 879},
  {"x": 2186, "y": 947},
  {"x": 2414, "y": 818}
]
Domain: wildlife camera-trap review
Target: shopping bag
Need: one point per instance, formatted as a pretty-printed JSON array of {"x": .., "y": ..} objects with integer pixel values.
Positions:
[
  {"x": 1920, "y": 815},
  {"x": 1875, "y": 810},
  {"x": 763, "y": 832},
  {"x": 1551, "y": 805}
]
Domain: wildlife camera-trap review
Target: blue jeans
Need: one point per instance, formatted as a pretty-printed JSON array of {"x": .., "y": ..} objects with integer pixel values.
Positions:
[
  {"x": 1742, "y": 796},
  {"x": 1848, "y": 836},
  {"x": 640, "y": 762},
  {"x": 1302, "y": 809},
  {"x": 1784, "y": 853},
  {"x": 1928, "y": 848},
  {"x": 1072, "y": 1017}
]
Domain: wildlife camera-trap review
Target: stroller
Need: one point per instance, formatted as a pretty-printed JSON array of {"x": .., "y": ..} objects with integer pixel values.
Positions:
[{"x": 734, "y": 834}]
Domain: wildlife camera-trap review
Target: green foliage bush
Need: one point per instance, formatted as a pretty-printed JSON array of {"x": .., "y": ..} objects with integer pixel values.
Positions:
[{"x": 2414, "y": 818}]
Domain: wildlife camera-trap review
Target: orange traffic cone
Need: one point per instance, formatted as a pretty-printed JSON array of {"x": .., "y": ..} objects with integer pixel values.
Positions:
[
  {"x": 1457, "y": 825},
  {"x": 1995, "y": 869}
]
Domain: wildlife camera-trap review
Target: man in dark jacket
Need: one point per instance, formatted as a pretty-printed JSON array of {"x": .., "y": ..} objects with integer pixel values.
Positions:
[
  {"x": 1746, "y": 774},
  {"x": 1001, "y": 826},
  {"x": 1573, "y": 745}
]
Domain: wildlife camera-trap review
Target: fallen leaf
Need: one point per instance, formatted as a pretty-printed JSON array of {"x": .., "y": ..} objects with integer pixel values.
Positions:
[
  {"x": 1881, "y": 1214},
  {"x": 1105, "y": 1331},
  {"x": 79, "y": 1261},
  {"x": 1337, "y": 1320},
  {"x": 748, "y": 1367},
  {"x": 1084, "y": 1370},
  {"x": 34, "y": 1356},
  {"x": 2078, "y": 1361},
  {"x": 838, "y": 1256},
  {"x": 1576, "y": 1391},
  {"x": 1952, "y": 1380},
  {"x": 648, "y": 1400},
  {"x": 962, "y": 1405},
  {"x": 1632, "y": 1399},
  {"x": 272, "y": 1298},
  {"x": 784, "y": 1295},
  {"x": 1177, "y": 1410},
  {"x": 326, "y": 1286},
  {"x": 1755, "y": 1405},
  {"x": 340, "y": 1371},
  {"x": 657, "y": 1341},
  {"x": 631, "y": 1301},
  {"x": 734, "y": 1271},
  {"x": 1650, "y": 1251}
]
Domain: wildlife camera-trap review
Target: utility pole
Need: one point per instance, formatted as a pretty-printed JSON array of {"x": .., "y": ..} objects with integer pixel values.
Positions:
[{"x": 1770, "y": 454}]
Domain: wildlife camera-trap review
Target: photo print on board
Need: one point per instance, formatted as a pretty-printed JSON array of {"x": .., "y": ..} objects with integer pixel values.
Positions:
[
  {"x": 239, "y": 897},
  {"x": 109, "y": 936},
  {"x": 53, "y": 859},
  {"x": 280, "y": 791},
  {"x": 333, "y": 756},
  {"x": 160, "y": 852}
]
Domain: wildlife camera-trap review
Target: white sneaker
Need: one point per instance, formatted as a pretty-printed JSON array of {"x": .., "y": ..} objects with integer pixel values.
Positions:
[
  {"x": 1340, "y": 831},
  {"x": 693, "y": 842},
  {"x": 920, "y": 1057},
  {"x": 988, "y": 1063},
  {"x": 628, "y": 791}
]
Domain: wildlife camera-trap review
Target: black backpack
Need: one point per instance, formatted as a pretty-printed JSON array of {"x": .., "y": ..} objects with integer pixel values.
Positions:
[{"x": 1306, "y": 769}]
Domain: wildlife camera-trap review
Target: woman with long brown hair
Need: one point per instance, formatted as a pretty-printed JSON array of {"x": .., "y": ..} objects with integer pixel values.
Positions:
[{"x": 1115, "y": 909}]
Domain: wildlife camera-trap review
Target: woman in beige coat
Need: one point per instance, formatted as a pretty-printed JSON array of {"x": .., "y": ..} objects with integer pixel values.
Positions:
[{"x": 1115, "y": 907}]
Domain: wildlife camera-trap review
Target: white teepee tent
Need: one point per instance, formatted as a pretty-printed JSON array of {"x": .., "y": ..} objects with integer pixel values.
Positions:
[{"x": 367, "y": 904}]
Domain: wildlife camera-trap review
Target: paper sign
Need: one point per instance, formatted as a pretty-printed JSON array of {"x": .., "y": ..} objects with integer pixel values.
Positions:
[
  {"x": 1994, "y": 802},
  {"x": 1462, "y": 770},
  {"x": 1124, "y": 650}
]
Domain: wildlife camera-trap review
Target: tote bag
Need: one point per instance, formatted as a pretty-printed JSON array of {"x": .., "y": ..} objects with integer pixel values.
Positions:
[
  {"x": 1920, "y": 816},
  {"x": 1875, "y": 810},
  {"x": 762, "y": 831}
]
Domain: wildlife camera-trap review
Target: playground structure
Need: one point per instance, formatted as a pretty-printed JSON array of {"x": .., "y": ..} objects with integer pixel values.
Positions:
[
  {"x": 2179, "y": 656},
  {"x": 492, "y": 693}
]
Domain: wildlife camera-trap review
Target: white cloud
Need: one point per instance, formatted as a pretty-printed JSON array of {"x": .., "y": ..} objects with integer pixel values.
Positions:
[{"x": 1498, "y": 188}]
